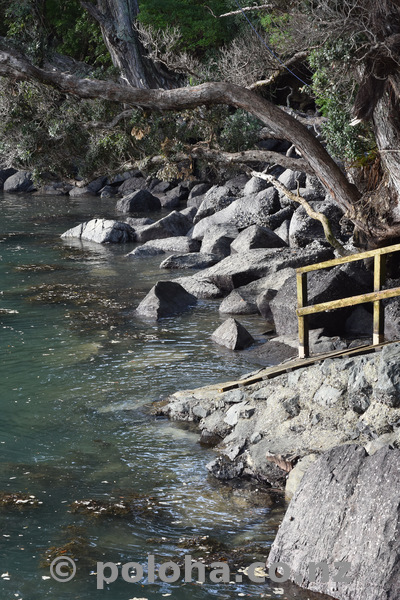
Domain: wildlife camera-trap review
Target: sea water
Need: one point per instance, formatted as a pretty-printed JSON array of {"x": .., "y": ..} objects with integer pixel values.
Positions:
[{"x": 78, "y": 374}]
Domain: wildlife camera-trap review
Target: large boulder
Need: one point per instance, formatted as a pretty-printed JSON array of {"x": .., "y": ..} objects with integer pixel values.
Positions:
[
  {"x": 21, "y": 181},
  {"x": 217, "y": 198},
  {"x": 256, "y": 237},
  {"x": 240, "y": 269},
  {"x": 174, "y": 224},
  {"x": 199, "y": 190},
  {"x": 255, "y": 185},
  {"x": 132, "y": 184},
  {"x": 292, "y": 179},
  {"x": 139, "y": 201},
  {"x": 345, "y": 513},
  {"x": 323, "y": 286},
  {"x": 236, "y": 304},
  {"x": 304, "y": 230},
  {"x": 165, "y": 299},
  {"x": 102, "y": 231},
  {"x": 217, "y": 240},
  {"x": 232, "y": 335},
  {"x": 242, "y": 213}
]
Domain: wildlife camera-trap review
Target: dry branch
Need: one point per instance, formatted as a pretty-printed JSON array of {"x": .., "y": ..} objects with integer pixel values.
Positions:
[{"x": 313, "y": 214}]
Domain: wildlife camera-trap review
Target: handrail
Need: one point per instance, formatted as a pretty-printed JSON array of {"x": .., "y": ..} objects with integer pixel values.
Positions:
[{"x": 303, "y": 309}]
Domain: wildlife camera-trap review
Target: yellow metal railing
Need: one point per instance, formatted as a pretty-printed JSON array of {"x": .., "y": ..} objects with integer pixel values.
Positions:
[{"x": 303, "y": 310}]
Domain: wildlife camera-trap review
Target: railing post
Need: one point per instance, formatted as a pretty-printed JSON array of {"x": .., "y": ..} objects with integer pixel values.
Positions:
[
  {"x": 304, "y": 346},
  {"x": 379, "y": 315}
]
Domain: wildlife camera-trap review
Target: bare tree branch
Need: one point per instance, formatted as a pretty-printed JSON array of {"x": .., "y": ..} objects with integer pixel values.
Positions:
[
  {"x": 245, "y": 157},
  {"x": 206, "y": 94},
  {"x": 245, "y": 9},
  {"x": 323, "y": 219},
  {"x": 299, "y": 56}
]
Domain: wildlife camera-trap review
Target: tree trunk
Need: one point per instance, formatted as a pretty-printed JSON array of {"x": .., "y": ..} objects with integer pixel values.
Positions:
[{"x": 116, "y": 19}]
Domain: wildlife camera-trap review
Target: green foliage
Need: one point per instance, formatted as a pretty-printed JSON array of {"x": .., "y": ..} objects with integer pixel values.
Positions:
[
  {"x": 239, "y": 131},
  {"x": 39, "y": 26},
  {"x": 201, "y": 31},
  {"x": 42, "y": 130},
  {"x": 335, "y": 91}
]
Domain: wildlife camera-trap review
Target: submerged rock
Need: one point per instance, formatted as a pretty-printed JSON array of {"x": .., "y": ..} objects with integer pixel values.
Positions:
[
  {"x": 232, "y": 335},
  {"x": 102, "y": 231},
  {"x": 165, "y": 299}
]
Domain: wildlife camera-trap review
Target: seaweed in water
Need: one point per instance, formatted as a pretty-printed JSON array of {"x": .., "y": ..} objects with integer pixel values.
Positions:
[{"x": 18, "y": 500}]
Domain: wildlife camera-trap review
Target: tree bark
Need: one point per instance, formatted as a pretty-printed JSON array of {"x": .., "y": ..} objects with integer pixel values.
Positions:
[{"x": 116, "y": 19}]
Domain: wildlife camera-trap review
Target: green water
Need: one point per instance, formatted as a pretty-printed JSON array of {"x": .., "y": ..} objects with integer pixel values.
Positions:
[{"x": 78, "y": 372}]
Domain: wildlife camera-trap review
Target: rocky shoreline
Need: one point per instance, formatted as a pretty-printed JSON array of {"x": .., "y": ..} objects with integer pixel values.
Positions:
[{"x": 241, "y": 243}]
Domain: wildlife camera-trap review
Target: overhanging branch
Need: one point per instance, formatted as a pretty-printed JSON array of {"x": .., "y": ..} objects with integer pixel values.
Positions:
[{"x": 287, "y": 127}]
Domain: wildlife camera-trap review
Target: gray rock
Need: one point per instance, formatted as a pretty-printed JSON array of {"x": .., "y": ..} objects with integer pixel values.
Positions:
[
  {"x": 139, "y": 201},
  {"x": 165, "y": 299},
  {"x": 252, "y": 210},
  {"x": 263, "y": 303},
  {"x": 5, "y": 174},
  {"x": 241, "y": 269},
  {"x": 256, "y": 237},
  {"x": 108, "y": 191},
  {"x": 392, "y": 317},
  {"x": 217, "y": 198},
  {"x": 97, "y": 184},
  {"x": 236, "y": 184},
  {"x": 304, "y": 230},
  {"x": 222, "y": 468},
  {"x": 102, "y": 231},
  {"x": 145, "y": 251},
  {"x": 387, "y": 388},
  {"x": 359, "y": 322},
  {"x": 291, "y": 179},
  {"x": 297, "y": 473},
  {"x": 235, "y": 304},
  {"x": 217, "y": 240},
  {"x": 274, "y": 221},
  {"x": 173, "y": 225},
  {"x": 199, "y": 288},
  {"x": 21, "y": 181},
  {"x": 174, "y": 197},
  {"x": 189, "y": 212},
  {"x": 180, "y": 244},
  {"x": 80, "y": 192},
  {"x": 132, "y": 185},
  {"x": 161, "y": 187},
  {"x": 323, "y": 286},
  {"x": 199, "y": 190},
  {"x": 232, "y": 335},
  {"x": 195, "y": 260},
  {"x": 137, "y": 222},
  {"x": 255, "y": 185},
  {"x": 345, "y": 510},
  {"x": 195, "y": 202}
]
